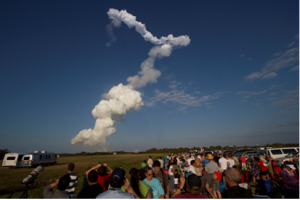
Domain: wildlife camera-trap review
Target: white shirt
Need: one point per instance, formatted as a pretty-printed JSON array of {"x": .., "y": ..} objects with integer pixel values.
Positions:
[
  {"x": 189, "y": 161},
  {"x": 223, "y": 162},
  {"x": 191, "y": 169},
  {"x": 232, "y": 163},
  {"x": 170, "y": 170}
]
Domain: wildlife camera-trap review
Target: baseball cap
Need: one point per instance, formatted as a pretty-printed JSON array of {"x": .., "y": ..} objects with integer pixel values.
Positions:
[
  {"x": 291, "y": 166},
  {"x": 118, "y": 175},
  {"x": 194, "y": 181}
]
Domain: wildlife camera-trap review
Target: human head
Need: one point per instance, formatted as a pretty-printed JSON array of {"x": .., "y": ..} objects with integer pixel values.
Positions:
[
  {"x": 209, "y": 156},
  {"x": 117, "y": 177},
  {"x": 101, "y": 170},
  {"x": 193, "y": 184},
  {"x": 134, "y": 180},
  {"x": 156, "y": 165},
  {"x": 193, "y": 162},
  {"x": 71, "y": 167},
  {"x": 232, "y": 177},
  {"x": 63, "y": 182},
  {"x": 93, "y": 176},
  {"x": 149, "y": 173},
  {"x": 261, "y": 157},
  {"x": 256, "y": 159},
  {"x": 176, "y": 171},
  {"x": 289, "y": 166}
]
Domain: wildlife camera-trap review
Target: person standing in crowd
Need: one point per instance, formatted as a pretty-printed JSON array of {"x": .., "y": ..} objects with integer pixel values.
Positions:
[
  {"x": 263, "y": 169},
  {"x": 161, "y": 162},
  {"x": 176, "y": 179},
  {"x": 231, "y": 161},
  {"x": 193, "y": 188},
  {"x": 165, "y": 161},
  {"x": 212, "y": 166},
  {"x": 289, "y": 181},
  {"x": 142, "y": 171},
  {"x": 270, "y": 165},
  {"x": 232, "y": 179},
  {"x": 223, "y": 162},
  {"x": 93, "y": 190},
  {"x": 73, "y": 182},
  {"x": 150, "y": 161},
  {"x": 61, "y": 192},
  {"x": 140, "y": 187},
  {"x": 198, "y": 167},
  {"x": 243, "y": 161},
  {"x": 171, "y": 176},
  {"x": 157, "y": 192},
  {"x": 191, "y": 168},
  {"x": 103, "y": 176},
  {"x": 85, "y": 180},
  {"x": 205, "y": 161},
  {"x": 162, "y": 177},
  {"x": 117, "y": 180},
  {"x": 210, "y": 185},
  {"x": 236, "y": 160},
  {"x": 255, "y": 168},
  {"x": 189, "y": 160}
]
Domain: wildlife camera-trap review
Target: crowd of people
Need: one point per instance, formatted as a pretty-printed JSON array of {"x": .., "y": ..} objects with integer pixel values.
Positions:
[{"x": 184, "y": 175}]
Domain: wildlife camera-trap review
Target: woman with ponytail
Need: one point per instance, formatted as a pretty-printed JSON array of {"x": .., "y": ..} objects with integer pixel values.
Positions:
[{"x": 140, "y": 187}]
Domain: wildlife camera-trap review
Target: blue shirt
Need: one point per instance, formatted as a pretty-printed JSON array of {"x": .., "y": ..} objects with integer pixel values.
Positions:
[
  {"x": 155, "y": 188},
  {"x": 205, "y": 161},
  {"x": 115, "y": 193}
]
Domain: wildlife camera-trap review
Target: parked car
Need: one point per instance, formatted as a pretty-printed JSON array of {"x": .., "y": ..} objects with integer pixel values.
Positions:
[
  {"x": 281, "y": 152},
  {"x": 280, "y": 161}
]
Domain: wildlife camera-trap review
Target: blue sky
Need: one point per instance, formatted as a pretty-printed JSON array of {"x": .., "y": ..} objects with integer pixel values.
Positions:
[{"x": 235, "y": 83}]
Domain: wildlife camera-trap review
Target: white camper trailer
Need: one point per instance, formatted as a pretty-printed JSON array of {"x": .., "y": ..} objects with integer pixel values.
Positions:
[
  {"x": 12, "y": 160},
  {"x": 38, "y": 158}
]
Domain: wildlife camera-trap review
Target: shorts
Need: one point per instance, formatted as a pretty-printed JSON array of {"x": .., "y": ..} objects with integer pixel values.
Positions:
[
  {"x": 216, "y": 186},
  {"x": 264, "y": 173}
]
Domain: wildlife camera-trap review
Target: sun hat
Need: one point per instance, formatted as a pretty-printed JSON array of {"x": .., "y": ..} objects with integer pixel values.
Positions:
[{"x": 209, "y": 156}]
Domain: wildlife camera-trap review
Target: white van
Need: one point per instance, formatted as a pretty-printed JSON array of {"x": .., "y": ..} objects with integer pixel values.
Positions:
[
  {"x": 281, "y": 152},
  {"x": 12, "y": 160}
]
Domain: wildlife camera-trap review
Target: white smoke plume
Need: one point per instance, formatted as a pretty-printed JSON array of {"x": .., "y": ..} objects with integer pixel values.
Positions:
[{"x": 122, "y": 99}]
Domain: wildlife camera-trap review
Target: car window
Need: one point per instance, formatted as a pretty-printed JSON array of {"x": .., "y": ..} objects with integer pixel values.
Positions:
[
  {"x": 26, "y": 158},
  {"x": 10, "y": 158},
  {"x": 285, "y": 151},
  {"x": 276, "y": 152}
]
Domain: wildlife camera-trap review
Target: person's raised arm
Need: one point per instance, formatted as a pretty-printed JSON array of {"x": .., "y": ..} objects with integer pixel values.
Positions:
[
  {"x": 129, "y": 189},
  {"x": 93, "y": 168},
  {"x": 149, "y": 195},
  {"x": 109, "y": 169}
]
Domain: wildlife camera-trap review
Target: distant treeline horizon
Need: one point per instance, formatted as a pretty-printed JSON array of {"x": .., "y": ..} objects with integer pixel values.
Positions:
[{"x": 182, "y": 149}]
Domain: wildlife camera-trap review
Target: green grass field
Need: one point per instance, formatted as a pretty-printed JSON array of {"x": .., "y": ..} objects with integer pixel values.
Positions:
[{"x": 10, "y": 178}]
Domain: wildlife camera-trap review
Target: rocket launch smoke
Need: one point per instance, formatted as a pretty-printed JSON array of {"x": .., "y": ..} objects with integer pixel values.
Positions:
[{"x": 122, "y": 99}]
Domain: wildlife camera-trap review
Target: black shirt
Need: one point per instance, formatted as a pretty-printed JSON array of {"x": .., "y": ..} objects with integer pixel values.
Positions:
[
  {"x": 237, "y": 192},
  {"x": 90, "y": 192}
]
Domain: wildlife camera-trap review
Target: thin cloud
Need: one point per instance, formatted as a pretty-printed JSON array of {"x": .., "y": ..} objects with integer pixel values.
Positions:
[
  {"x": 281, "y": 60},
  {"x": 179, "y": 96},
  {"x": 249, "y": 94},
  {"x": 294, "y": 68},
  {"x": 290, "y": 98}
]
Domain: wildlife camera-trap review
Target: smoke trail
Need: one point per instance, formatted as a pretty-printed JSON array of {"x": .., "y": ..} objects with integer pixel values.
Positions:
[{"x": 123, "y": 99}]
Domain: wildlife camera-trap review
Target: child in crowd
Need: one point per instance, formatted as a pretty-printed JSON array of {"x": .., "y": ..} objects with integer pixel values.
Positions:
[{"x": 176, "y": 178}]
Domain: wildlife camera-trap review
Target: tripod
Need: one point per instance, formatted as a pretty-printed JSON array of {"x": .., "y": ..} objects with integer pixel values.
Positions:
[{"x": 29, "y": 184}]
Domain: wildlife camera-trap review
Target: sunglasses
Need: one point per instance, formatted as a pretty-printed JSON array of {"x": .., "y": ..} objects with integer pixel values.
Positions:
[{"x": 150, "y": 174}]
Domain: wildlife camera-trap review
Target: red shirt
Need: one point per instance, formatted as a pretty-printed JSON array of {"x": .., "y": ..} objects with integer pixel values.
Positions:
[
  {"x": 104, "y": 181},
  {"x": 190, "y": 196},
  {"x": 243, "y": 159},
  {"x": 262, "y": 166}
]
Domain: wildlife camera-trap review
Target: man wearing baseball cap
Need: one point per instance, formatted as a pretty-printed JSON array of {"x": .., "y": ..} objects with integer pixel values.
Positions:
[
  {"x": 193, "y": 188},
  {"x": 117, "y": 180}
]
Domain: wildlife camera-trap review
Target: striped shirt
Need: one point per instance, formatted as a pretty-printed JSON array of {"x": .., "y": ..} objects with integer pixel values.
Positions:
[{"x": 71, "y": 187}]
